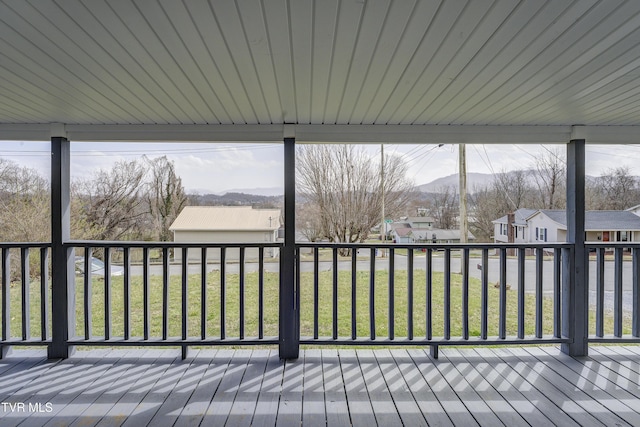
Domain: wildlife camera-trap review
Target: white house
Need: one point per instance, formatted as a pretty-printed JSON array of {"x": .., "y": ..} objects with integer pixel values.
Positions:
[
  {"x": 546, "y": 225},
  {"x": 425, "y": 222},
  {"x": 519, "y": 224},
  {"x": 225, "y": 224}
]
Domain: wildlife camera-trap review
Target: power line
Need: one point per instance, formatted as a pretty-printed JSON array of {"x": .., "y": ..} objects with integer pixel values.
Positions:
[{"x": 119, "y": 152}]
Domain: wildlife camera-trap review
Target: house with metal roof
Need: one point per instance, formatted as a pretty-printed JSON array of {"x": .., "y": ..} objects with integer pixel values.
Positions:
[{"x": 225, "y": 224}]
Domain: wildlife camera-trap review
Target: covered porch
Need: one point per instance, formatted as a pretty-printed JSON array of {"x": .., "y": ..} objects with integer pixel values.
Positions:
[{"x": 309, "y": 72}]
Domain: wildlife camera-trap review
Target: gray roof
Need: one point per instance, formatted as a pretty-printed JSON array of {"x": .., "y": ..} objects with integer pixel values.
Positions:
[
  {"x": 599, "y": 220},
  {"x": 521, "y": 216}
]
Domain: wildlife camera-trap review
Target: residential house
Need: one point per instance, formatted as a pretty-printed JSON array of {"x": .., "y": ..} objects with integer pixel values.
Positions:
[
  {"x": 546, "y": 225},
  {"x": 425, "y": 222},
  {"x": 519, "y": 227},
  {"x": 430, "y": 235},
  {"x": 226, "y": 224}
]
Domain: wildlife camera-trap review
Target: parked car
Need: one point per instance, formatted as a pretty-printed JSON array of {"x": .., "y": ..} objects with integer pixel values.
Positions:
[{"x": 97, "y": 267}]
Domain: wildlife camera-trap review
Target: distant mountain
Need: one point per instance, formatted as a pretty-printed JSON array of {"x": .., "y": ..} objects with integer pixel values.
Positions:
[
  {"x": 474, "y": 179},
  {"x": 235, "y": 199},
  {"x": 268, "y": 191}
]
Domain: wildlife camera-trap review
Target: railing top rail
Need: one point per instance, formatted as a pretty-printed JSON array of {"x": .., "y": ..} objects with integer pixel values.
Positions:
[
  {"x": 612, "y": 244},
  {"x": 10, "y": 245},
  {"x": 140, "y": 244},
  {"x": 434, "y": 245}
]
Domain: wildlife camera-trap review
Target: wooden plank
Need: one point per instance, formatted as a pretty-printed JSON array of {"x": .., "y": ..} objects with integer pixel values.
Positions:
[
  {"x": 404, "y": 400},
  {"x": 456, "y": 383},
  {"x": 82, "y": 371},
  {"x": 454, "y": 407},
  {"x": 426, "y": 399},
  {"x": 269, "y": 396},
  {"x": 335, "y": 395},
  {"x": 138, "y": 390},
  {"x": 512, "y": 408},
  {"x": 179, "y": 396},
  {"x": 123, "y": 398},
  {"x": 620, "y": 368},
  {"x": 200, "y": 399},
  {"x": 102, "y": 395},
  {"x": 621, "y": 355},
  {"x": 598, "y": 379},
  {"x": 571, "y": 390},
  {"x": 18, "y": 372},
  {"x": 222, "y": 401},
  {"x": 508, "y": 377},
  {"x": 534, "y": 387},
  {"x": 244, "y": 405},
  {"x": 290, "y": 405},
  {"x": 356, "y": 390},
  {"x": 313, "y": 406},
  {"x": 383, "y": 405}
]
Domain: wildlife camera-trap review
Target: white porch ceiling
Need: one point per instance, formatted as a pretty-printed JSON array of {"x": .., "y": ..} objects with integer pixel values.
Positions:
[{"x": 335, "y": 70}]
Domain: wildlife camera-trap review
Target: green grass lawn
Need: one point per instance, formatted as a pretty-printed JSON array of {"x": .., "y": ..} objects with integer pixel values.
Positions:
[{"x": 325, "y": 308}]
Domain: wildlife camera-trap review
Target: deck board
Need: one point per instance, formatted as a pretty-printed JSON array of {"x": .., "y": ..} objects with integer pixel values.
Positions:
[
  {"x": 266, "y": 410},
  {"x": 397, "y": 387},
  {"x": 360, "y": 406},
  {"x": 571, "y": 391},
  {"x": 450, "y": 401},
  {"x": 429, "y": 404},
  {"x": 511, "y": 386},
  {"x": 507, "y": 380},
  {"x": 222, "y": 401},
  {"x": 244, "y": 405},
  {"x": 472, "y": 379},
  {"x": 334, "y": 391}
]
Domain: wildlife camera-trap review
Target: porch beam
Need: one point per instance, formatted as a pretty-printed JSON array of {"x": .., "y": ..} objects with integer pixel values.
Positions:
[
  {"x": 575, "y": 289},
  {"x": 319, "y": 133},
  {"x": 62, "y": 263},
  {"x": 289, "y": 339}
]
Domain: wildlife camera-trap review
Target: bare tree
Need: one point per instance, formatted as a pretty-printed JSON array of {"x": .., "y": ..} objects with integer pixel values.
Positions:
[
  {"x": 485, "y": 207},
  {"x": 165, "y": 195},
  {"x": 444, "y": 207},
  {"x": 343, "y": 184},
  {"x": 111, "y": 202},
  {"x": 550, "y": 179},
  {"x": 512, "y": 190},
  {"x": 24, "y": 204},
  {"x": 616, "y": 189}
]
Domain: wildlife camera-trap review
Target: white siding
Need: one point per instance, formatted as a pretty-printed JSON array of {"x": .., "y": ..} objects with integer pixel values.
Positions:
[{"x": 541, "y": 221}]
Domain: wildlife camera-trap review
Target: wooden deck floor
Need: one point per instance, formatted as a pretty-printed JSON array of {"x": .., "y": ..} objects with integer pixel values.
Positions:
[{"x": 508, "y": 386}]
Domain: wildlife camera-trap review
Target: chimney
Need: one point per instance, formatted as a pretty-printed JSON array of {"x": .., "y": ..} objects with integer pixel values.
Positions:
[{"x": 511, "y": 218}]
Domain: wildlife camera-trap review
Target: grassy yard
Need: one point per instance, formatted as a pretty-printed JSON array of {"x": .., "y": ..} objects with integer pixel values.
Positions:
[{"x": 325, "y": 308}]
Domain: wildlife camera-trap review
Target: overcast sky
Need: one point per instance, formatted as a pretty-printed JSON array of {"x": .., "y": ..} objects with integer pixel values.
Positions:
[{"x": 207, "y": 167}]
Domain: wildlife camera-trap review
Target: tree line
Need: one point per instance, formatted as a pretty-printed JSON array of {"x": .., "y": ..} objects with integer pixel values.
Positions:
[
  {"x": 540, "y": 185},
  {"x": 134, "y": 200}
]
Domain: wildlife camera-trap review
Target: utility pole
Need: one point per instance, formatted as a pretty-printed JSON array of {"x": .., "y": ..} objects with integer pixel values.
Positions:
[
  {"x": 383, "y": 225},
  {"x": 464, "y": 224}
]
